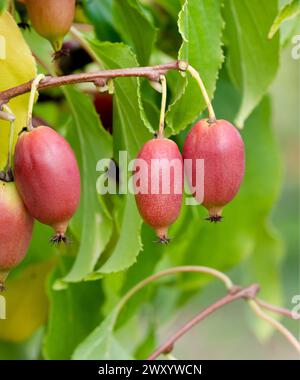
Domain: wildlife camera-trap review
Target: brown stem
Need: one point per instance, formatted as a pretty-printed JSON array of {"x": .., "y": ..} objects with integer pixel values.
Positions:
[
  {"x": 274, "y": 309},
  {"x": 180, "y": 269},
  {"x": 151, "y": 72},
  {"x": 234, "y": 293},
  {"x": 247, "y": 293},
  {"x": 275, "y": 324}
]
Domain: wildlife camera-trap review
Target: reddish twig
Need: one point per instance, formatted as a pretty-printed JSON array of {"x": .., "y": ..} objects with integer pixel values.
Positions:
[
  {"x": 234, "y": 293},
  {"x": 246, "y": 293},
  {"x": 175, "y": 270},
  {"x": 275, "y": 324},
  {"x": 153, "y": 73},
  {"x": 274, "y": 309}
]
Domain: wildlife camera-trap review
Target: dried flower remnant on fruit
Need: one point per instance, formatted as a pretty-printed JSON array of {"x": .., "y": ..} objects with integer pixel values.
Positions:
[{"x": 58, "y": 238}]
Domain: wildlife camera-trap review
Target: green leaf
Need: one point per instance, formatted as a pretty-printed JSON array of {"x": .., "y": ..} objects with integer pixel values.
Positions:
[
  {"x": 200, "y": 25},
  {"x": 74, "y": 313},
  {"x": 287, "y": 12},
  {"x": 129, "y": 134},
  {"x": 99, "y": 12},
  {"x": 98, "y": 345},
  {"x": 118, "y": 352},
  {"x": 144, "y": 267},
  {"x": 267, "y": 253},
  {"x": 135, "y": 27},
  {"x": 129, "y": 243},
  {"x": 252, "y": 58},
  {"x": 263, "y": 265},
  {"x": 92, "y": 220},
  {"x": 147, "y": 344},
  {"x": 101, "y": 344}
]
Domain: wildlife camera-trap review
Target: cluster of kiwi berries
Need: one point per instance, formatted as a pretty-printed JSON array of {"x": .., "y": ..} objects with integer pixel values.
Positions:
[
  {"x": 45, "y": 181},
  {"x": 220, "y": 145}
]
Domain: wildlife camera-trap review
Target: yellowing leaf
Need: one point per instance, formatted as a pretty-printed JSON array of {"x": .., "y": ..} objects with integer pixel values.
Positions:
[
  {"x": 17, "y": 66},
  {"x": 26, "y": 303}
]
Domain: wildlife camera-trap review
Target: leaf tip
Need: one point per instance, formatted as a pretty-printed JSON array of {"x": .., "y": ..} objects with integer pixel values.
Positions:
[{"x": 271, "y": 33}]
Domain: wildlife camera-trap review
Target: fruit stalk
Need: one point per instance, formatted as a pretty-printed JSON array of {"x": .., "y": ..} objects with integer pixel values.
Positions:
[
  {"x": 163, "y": 106},
  {"x": 34, "y": 87},
  {"x": 194, "y": 73},
  {"x": 8, "y": 170}
]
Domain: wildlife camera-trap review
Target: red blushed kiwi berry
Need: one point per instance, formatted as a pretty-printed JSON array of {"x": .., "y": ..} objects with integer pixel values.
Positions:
[
  {"x": 221, "y": 147},
  {"x": 161, "y": 209},
  {"x": 52, "y": 19},
  {"x": 47, "y": 178},
  {"x": 16, "y": 226}
]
